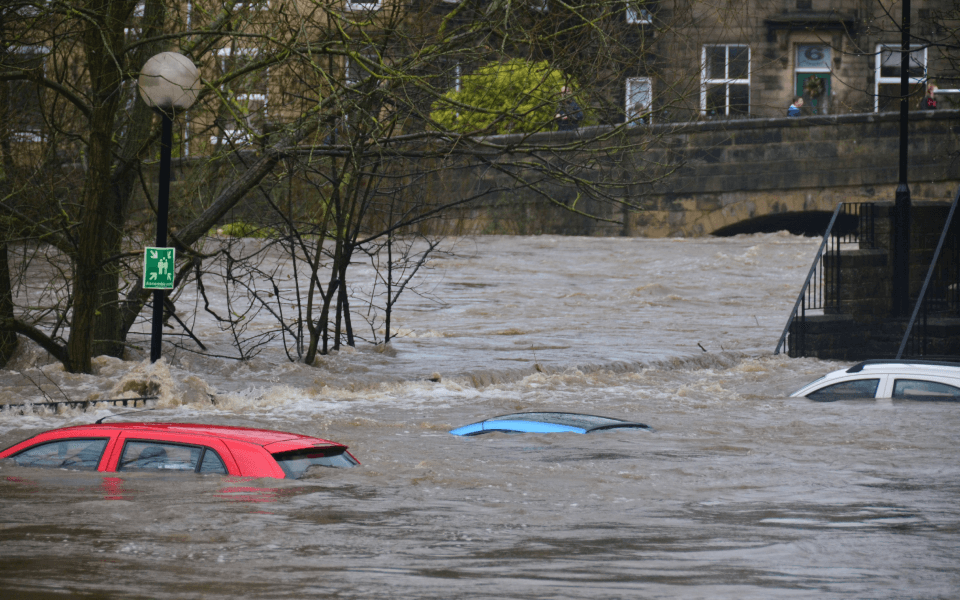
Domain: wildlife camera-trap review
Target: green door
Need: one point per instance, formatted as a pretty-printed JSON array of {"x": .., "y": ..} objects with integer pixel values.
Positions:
[{"x": 818, "y": 104}]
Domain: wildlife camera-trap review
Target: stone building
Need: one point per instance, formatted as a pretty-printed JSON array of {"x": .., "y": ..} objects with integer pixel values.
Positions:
[
  {"x": 724, "y": 60},
  {"x": 676, "y": 60}
]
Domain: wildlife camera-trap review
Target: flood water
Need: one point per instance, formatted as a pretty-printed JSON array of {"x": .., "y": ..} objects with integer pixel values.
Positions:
[{"x": 739, "y": 492}]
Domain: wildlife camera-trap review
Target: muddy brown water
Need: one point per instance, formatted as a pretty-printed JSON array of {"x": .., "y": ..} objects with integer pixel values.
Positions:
[{"x": 739, "y": 493}]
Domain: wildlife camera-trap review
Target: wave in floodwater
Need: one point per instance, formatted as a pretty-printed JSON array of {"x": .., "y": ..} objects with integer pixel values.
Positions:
[{"x": 740, "y": 492}]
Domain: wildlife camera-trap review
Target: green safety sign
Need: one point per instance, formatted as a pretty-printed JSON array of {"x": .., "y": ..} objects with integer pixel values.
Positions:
[{"x": 158, "y": 268}]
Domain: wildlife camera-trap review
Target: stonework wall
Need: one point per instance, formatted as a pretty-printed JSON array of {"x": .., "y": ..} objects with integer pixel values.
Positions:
[{"x": 727, "y": 172}]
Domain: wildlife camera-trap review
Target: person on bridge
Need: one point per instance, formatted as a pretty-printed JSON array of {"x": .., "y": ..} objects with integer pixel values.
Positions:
[
  {"x": 929, "y": 101},
  {"x": 795, "y": 106},
  {"x": 569, "y": 114}
]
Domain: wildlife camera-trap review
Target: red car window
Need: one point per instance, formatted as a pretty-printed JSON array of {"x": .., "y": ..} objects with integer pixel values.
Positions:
[
  {"x": 211, "y": 462},
  {"x": 150, "y": 455},
  {"x": 296, "y": 463},
  {"x": 70, "y": 453},
  {"x": 181, "y": 452}
]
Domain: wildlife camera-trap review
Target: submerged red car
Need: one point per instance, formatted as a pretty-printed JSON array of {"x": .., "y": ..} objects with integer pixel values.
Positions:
[{"x": 182, "y": 447}]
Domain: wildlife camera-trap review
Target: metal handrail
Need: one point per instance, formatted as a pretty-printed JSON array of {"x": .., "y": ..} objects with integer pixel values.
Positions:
[
  {"x": 83, "y": 404},
  {"x": 813, "y": 270},
  {"x": 930, "y": 271}
]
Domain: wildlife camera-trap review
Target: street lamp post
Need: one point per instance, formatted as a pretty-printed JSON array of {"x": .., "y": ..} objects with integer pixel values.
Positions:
[
  {"x": 901, "y": 210},
  {"x": 169, "y": 83}
]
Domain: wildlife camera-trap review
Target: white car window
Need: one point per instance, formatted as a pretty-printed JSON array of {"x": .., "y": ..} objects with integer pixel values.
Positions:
[
  {"x": 913, "y": 389},
  {"x": 857, "y": 389}
]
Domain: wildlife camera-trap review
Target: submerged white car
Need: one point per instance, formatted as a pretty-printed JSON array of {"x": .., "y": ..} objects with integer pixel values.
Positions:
[{"x": 897, "y": 379}]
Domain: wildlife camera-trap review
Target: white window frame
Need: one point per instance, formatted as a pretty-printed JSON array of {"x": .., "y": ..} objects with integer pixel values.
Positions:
[
  {"x": 457, "y": 76},
  {"x": 254, "y": 5},
  {"x": 361, "y": 6},
  {"x": 27, "y": 134},
  {"x": 349, "y": 77},
  {"x": 726, "y": 81},
  {"x": 457, "y": 79},
  {"x": 878, "y": 64},
  {"x": 33, "y": 11},
  {"x": 240, "y": 136},
  {"x": 635, "y": 17},
  {"x": 186, "y": 134},
  {"x": 540, "y": 6},
  {"x": 629, "y": 95}
]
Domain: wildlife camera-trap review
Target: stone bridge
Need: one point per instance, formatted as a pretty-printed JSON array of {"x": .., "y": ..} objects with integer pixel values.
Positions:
[{"x": 744, "y": 175}]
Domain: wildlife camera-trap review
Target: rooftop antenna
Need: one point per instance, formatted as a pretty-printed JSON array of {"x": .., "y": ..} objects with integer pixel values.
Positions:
[{"x": 132, "y": 412}]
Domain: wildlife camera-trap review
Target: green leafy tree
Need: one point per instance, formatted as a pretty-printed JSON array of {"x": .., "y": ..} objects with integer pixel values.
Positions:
[{"x": 515, "y": 96}]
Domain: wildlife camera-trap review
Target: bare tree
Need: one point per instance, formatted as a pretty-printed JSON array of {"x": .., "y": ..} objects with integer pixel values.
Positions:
[{"x": 331, "y": 101}]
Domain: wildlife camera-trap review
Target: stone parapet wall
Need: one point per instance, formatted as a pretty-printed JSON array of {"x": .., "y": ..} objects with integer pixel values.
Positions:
[{"x": 725, "y": 172}]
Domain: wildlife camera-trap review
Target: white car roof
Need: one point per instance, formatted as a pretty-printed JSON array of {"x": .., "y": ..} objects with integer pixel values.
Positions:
[
  {"x": 916, "y": 368},
  {"x": 906, "y": 366}
]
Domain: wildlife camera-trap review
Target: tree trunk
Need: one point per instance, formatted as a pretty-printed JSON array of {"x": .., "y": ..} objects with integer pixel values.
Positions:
[
  {"x": 109, "y": 332},
  {"x": 102, "y": 42},
  {"x": 8, "y": 339}
]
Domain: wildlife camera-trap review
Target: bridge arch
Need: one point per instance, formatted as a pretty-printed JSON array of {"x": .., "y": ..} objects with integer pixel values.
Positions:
[{"x": 807, "y": 223}]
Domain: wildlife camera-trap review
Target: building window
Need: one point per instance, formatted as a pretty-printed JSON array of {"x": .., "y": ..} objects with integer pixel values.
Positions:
[
  {"x": 636, "y": 13},
  {"x": 357, "y": 71},
  {"x": 26, "y": 114},
  {"x": 725, "y": 85},
  {"x": 361, "y": 5},
  {"x": 245, "y": 109},
  {"x": 639, "y": 97},
  {"x": 134, "y": 33},
  {"x": 887, "y": 94}
]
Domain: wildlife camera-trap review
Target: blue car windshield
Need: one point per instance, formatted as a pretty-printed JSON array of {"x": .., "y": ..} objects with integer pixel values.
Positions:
[{"x": 587, "y": 422}]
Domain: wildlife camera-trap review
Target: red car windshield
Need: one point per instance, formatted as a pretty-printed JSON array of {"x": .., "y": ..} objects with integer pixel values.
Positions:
[{"x": 296, "y": 463}]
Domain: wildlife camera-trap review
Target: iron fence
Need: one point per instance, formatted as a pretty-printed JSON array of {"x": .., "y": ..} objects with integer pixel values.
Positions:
[
  {"x": 852, "y": 224},
  {"x": 940, "y": 295}
]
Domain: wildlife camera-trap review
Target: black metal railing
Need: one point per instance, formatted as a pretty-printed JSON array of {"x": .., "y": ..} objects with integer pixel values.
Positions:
[
  {"x": 940, "y": 295},
  {"x": 851, "y": 223}
]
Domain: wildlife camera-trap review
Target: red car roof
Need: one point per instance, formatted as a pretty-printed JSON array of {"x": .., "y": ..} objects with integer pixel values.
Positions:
[{"x": 260, "y": 437}]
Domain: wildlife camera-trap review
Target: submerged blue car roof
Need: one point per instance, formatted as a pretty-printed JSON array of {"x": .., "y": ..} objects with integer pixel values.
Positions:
[
  {"x": 547, "y": 422},
  {"x": 520, "y": 426}
]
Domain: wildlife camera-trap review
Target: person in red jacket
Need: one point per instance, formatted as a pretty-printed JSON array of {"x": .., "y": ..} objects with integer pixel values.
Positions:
[{"x": 929, "y": 101}]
